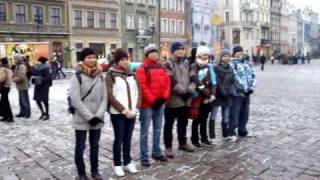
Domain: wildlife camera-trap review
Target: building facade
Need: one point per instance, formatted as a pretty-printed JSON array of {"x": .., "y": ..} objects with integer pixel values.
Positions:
[
  {"x": 139, "y": 26},
  {"x": 95, "y": 24},
  {"x": 27, "y": 21},
  {"x": 263, "y": 28},
  {"x": 174, "y": 20},
  {"x": 275, "y": 26},
  {"x": 284, "y": 35}
]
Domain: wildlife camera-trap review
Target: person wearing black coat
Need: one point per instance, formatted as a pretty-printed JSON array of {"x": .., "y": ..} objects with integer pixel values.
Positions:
[
  {"x": 226, "y": 87},
  {"x": 42, "y": 81}
]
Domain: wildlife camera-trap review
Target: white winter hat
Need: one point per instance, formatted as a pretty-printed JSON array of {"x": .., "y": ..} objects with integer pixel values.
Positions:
[{"x": 203, "y": 50}]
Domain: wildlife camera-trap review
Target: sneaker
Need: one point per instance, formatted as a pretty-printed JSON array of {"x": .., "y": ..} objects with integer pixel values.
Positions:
[
  {"x": 145, "y": 163},
  {"x": 118, "y": 170},
  {"x": 207, "y": 143},
  {"x": 232, "y": 138},
  {"x": 82, "y": 177},
  {"x": 19, "y": 115},
  {"x": 46, "y": 117},
  {"x": 161, "y": 158},
  {"x": 131, "y": 168},
  {"x": 243, "y": 134},
  {"x": 96, "y": 176},
  {"x": 169, "y": 153},
  {"x": 197, "y": 145},
  {"x": 187, "y": 148}
]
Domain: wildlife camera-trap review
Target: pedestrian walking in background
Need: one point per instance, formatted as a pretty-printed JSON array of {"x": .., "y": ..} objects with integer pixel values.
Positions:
[
  {"x": 246, "y": 82},
  {"x": 178, "y": 105},
  {"x": 89, "y": 99},
  {"x": 5, "y": 85},
  {"x": 154, "y": 85},
  {"x": 226, "y": 84},
  {"x": 263, "y": 60},
  {"x": 192, "y": 57},
  {"x": 42, "y": 80},
  {"x": 22, "y": 83},
  {"x": 203, "y": 77},
  {"x": 123, "y": 100}
]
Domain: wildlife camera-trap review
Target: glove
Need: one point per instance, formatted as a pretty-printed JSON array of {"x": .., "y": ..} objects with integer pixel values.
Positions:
[
  {"x": 129, "y": 114},
  {"x": 249, "y": 92},
  {"x": 209, "y": 100},
  {"x": 158, "y": 103},
  {"x": 94, "y": 121},
  {"x": 186, "y": 96}
]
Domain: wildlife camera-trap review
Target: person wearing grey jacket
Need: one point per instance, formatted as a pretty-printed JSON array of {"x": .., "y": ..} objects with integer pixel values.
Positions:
[
  {"x": 178, "y": 105},
  {"x": 22, "y": 83},
  {"x": 89, "y": 112}
]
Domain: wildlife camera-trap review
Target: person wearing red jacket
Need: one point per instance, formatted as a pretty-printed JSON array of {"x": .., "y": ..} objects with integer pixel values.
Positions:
[{"x": 154, "y": 84}]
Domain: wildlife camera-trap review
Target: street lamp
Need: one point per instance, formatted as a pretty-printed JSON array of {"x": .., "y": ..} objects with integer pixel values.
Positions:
[{"x": 38, "y": 20}]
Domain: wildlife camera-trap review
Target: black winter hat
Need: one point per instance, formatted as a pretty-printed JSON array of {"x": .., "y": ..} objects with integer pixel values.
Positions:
[
  {"x": 237, "y": 49},
  {"x": 119, "y": 54},
  {"x": 4, "y": 61},
  {"x": 86, "y": 52},
  {"x": 43, "y": 59}
]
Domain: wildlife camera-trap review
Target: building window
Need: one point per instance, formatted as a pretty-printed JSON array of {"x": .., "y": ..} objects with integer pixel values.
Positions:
[
  {"x": 164, "y": 4},
  {"x": 102, "y": 20},
  {"x": 90, "y": 19},
  {"x": 130, "y": 21},
  {"x": 236, "y": 37},
  {"x": 130, "y": 1},
  {"x": 113, "y": 21},
  {"x": 55, "y": 16},
  {"x": 141, "y": 22},
  {"x": 152, "y": 22},
  {"x": 152, "y": 2},
  {"x": 77, "y": 18},
  {"x": 20, "y": 14},
  {"x": 227, "y": 17},
  {"x": 3, "y": 10},
  {"x": 141, "y": 1},
  {"x": 172, "y": 5},
  {"x": 164, "y": 26},
  {"x": 180, "y": 5},
  {"x": 172, "y": 26},
  {"x": 38, "y": 14},
  {"x": 181, "y": 27}
]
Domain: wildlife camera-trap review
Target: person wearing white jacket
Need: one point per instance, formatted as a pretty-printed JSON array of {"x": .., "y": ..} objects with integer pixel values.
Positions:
[{"x": 123, "y": 98}]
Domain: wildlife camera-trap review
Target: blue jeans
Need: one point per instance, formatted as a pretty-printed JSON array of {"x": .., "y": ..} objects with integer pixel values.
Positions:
[
  {"x": 225, "y": 112},
  {"x": 146, "y": 116},
  {"x": 24, "y": 103},
  {"x": 239, "y": 115},
  {"x": 94, "y": 138},
  {"x": 123, "y": 129}
]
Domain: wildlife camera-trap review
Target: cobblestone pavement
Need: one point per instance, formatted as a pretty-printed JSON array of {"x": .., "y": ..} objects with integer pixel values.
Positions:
[{"x": 285, "y": 120}]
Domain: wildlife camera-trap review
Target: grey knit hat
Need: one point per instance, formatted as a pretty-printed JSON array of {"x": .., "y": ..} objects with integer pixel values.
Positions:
[
  {"x": 150, "y": 48},
  {"x": 225, "y": 52}
]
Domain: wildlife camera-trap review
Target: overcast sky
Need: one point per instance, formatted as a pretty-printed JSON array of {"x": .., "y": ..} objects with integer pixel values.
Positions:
[{"x": 315, "y": 4}]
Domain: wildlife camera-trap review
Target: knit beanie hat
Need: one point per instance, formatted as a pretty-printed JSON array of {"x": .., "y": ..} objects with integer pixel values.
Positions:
[
  {"x": 176, "y": 46},
  {"x": 119, "y": 54},
  {"x": 237, "y": 49},
  {"x": 203, "y": 50},
  {"x": 150, "y": 48},
  {"x": 43, "y": 59},
  {"x": 86, "y": 52},
  {"x": 225, "y": 52}
]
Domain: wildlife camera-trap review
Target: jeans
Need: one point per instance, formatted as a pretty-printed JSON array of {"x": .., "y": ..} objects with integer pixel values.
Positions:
[
  {"x": 24, "y": 103},
  {"x": 202, "y": 120},
  {"x": 181, "y": 114},
  {"x": 146, "y": 116},
  {"x": 239, "y": 115},
  {"x": 5, "y": 109},
  {"x": 123, "y": 129},
  {"x": 94, "y": 138},
  {"x": 225, "y": 112}
]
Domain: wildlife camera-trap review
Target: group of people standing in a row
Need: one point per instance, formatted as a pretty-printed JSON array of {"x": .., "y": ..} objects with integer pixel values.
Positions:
[
  {"x": 176, "y": 90},
  {"x": 23, "y": 75}
]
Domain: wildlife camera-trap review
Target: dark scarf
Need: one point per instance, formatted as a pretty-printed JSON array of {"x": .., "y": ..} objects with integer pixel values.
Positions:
[{"x": 118, "y": 69}]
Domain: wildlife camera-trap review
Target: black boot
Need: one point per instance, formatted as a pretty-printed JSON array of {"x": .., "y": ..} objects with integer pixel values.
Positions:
[
  {"x": 212, "y": 133},
  {"x": 42, "y": 116},
  {"x": 224, "y": 129},
  {"x": 46, "y": 117}
]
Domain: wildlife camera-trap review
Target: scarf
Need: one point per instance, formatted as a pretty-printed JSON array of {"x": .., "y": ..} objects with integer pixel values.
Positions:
[
  {"x": 90, "y": 71},
  {"x": 119, "y": 69}
]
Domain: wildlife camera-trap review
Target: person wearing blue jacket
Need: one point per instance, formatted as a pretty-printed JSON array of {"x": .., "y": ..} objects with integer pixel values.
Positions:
[{"x": 245, "y": 86}]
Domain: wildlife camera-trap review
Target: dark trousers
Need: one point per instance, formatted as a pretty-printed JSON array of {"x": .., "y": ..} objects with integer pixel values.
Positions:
[
  {"x": 239, "y": 115},
  {"x": 262, "y": 67},
  {"x": 94, "y": 138},
  {"x": 5, "y": 108},
  {"x": 24, "y": 103},
  {"x": 123, "y": 129},
  {"x": 202, "y": 121},
  {"x": 181, "y": 114}
]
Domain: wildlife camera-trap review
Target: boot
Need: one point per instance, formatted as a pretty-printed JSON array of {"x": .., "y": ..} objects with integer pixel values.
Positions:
[
  {"x": 42, "y": 116},
  {"x": 212, "y": 133},
  {"x": 224, "y": 129},
  {"x": 46, "y": 117}
]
